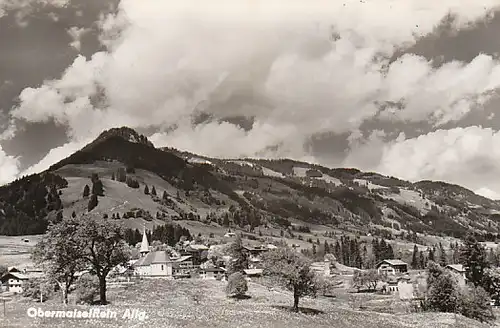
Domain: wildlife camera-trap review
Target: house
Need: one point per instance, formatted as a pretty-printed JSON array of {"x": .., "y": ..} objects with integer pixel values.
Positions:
[
  {"x": 404, "y": 287},
  {"x": 14, "y": 281},
  {"x": 255, "y": 251},
  {"x": 182, "y": 266},
  {"x": 212, "y": 273},
  {"x": 458, "y": 271},
  {"x": 196, "y": 251},
  {"x": 322, "y": 268},
  {"x": 392, "y": 267}
]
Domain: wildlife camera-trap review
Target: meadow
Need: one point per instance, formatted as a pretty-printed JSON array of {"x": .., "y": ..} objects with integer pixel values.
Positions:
[{"x": 197, "y": 303}]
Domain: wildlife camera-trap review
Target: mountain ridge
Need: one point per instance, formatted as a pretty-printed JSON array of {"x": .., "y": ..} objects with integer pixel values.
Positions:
[{"x": 250, "y": 192}]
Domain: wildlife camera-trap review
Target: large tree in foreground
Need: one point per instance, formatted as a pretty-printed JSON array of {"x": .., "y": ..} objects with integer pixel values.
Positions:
[
  {"x": 293, "y": 271},
  {"x": 60, "y": 254},
  {"x": 104, "y": 247}
]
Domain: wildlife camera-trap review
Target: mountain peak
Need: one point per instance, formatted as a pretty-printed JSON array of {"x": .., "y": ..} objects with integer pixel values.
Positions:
[{"x": 125, "y": 133}]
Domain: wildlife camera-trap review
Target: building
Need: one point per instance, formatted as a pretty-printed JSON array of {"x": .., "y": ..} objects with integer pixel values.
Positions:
[
  {"x": 213, "y": 273},
  {"x": 160, "y": 263},
  {"x": 14, "y": 281},
  {"x": 182, "y": 266},
  {"x": 458, "y": 271},
  {"x": 198, "y": 253},
  {"x": 392, "y": 267}
]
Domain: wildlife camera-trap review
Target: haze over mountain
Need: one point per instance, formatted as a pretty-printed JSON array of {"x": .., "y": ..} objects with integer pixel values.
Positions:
[{"x": 405, "y": 88}]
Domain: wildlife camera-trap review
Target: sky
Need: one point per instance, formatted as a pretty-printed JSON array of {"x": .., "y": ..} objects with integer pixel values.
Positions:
[{"x": 407, "y": 88}]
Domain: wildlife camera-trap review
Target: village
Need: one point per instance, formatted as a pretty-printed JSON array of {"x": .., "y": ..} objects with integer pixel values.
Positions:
[{"x": 197, "y": 261}]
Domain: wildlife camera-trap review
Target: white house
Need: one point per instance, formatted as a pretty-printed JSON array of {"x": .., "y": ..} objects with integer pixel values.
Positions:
[
  {"x": 392, "y": 267},
  {"x": 14, "y": 281}
]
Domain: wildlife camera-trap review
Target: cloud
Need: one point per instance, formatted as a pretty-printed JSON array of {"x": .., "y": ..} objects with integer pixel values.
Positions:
[
  {"x": 27, "y": 5},
  {"x": 297, "y": 68},
  {"x": 467, "y": 156},
  {"x": 76, "y": 34},
  {"x": 55, "y": 155},
  {"x": 9, "y": 167}
]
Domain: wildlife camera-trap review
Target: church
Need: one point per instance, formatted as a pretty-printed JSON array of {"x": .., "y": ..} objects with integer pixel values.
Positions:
[{"x": 160, "y": 264}]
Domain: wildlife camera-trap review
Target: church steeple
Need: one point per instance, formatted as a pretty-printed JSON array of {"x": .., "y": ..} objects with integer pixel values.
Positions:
[{"x": 144, "y": 244}]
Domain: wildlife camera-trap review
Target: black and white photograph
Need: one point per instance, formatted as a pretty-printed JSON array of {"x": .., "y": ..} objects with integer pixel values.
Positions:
[{"x": 250, "y": 163}]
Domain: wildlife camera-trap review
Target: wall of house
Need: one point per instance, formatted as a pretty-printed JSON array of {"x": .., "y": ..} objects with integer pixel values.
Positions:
[
  {"x": 405, "y": 290},
  {"x": 15, "y": 285},
  {"x": 161, "y": 269}
]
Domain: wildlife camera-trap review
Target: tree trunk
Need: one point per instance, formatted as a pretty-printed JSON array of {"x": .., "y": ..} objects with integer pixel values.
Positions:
[
  {"x": 102, "y": 290},
  {"x": 295, "y": 301}
]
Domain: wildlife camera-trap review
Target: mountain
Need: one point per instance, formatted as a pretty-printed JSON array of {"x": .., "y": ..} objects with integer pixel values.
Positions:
[{"x": 209, "y": 195}]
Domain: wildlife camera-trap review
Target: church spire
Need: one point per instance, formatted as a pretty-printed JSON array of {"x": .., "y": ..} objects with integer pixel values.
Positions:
[{"x": 144, "y": 244}]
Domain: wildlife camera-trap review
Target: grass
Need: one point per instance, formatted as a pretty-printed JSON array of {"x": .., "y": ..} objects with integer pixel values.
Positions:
[{"x": 202, "y": 303}]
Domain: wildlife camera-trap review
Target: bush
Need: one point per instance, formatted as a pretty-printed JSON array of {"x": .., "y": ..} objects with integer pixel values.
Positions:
[
  {"x": 236, "y": 285},
  {"x": 87, "y": 288},
  {"x": 475, "y": 303},
  {"x": 38, "y": 289}
]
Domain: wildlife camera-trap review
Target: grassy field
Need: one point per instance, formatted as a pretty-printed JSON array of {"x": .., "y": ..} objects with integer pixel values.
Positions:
[
  {"x": 15, "y": 251},
  {"x": 202, "y": 303}
]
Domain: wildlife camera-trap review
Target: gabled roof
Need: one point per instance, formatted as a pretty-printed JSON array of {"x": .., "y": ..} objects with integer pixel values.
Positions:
[
  {"x": 13, "y": 269},
  {"x": 456, "y": 267},
  {"x": 182, "y": 258},
  {"x": 15, "y": 275},
  {"x": 198, "y": 247},
  {"x": 153, "y": 258},
  {"x": 392, "y": 262},
  {"x": 251, "y": 272}
]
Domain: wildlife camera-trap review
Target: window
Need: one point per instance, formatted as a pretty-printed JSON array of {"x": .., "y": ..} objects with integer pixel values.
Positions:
[{"x": 162, "y": 267}]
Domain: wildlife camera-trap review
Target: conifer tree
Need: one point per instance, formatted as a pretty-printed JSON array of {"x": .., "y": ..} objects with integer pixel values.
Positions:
[
  {"x": 146, "y": 190},
  {"x": 86, "y": 191}
]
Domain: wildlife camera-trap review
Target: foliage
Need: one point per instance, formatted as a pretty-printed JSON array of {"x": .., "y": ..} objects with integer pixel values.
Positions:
[
  {"x": 473, "y": 257},
  {"x": 293, "y": 271},
  {"x": 475, "y": 303},
  {"x": 366, "y": 279},
  {"x": 132, "y": 183},
  {"x": 38, "y": 289},
  {"x": 491, "y": 283},
  {"x": 25, "y": 203},
  {"x": 236, "y": 285},
  {"x": 3, "y": 269},
  {"x": 443, "y": 295},
  {"x": 92, "y": 202},
  {"x": 103, "y": 247},
  {"x": 60, "y": 254},
  {"x": 239, "y": 260},
  {"x": 86, "y": 191},
  {"x": 87, "y": 288}
]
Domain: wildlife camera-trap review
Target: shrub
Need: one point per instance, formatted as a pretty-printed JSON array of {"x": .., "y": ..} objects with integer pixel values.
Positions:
[
  {"x": 236, "y": 285},
  {"x": 475, "y": 303},
  {"x": 38, "y": 289},
  {"x": 87, "y": 288}
]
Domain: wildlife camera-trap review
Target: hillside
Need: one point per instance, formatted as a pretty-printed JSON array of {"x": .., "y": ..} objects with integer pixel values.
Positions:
[{"x": 213, "y": 194}]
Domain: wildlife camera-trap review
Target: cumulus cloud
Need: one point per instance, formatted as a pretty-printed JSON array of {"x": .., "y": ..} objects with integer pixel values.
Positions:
[
  {"x": 9, "y": 167},
  {"x": 76, "y": 34},
  {"x": 468, "y": 156},
  {"x": 297, "y": 68},
  {"x": 27, "y": 5}
]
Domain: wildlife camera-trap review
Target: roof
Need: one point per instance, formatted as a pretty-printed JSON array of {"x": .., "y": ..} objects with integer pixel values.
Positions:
[
  {"x": 392, "y": 262},
  {"x": 153, "y": 258},
  {"x": 198, "y": 247},
  {"x": 251, "y": 272},
  {"x": 182, "y": 258},
  {"x": 213, "y": 270},
  {"x": 456, "y": 267},
  {"x": 12, "y": 269},
  {"x": 16, "y": 275}
]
